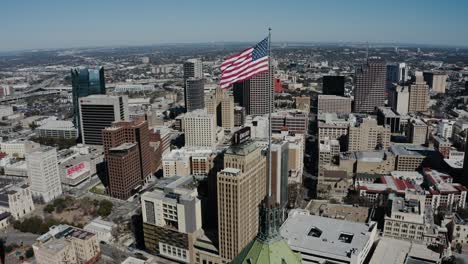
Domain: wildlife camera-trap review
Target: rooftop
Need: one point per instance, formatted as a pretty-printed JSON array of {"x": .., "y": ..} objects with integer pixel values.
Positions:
[
  {"x": 326, "y": 235},
  {"x": 242, "y": 149},
  {"x": 411, "y": 150}
]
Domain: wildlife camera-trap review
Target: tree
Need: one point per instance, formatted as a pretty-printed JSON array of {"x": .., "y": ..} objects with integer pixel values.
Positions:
[
  {"x": 459, "y": 248},
  {"x": 105, "y": 208},
  {"x": 29, "y": 253},
  {"x": 33, "y": 126},
  {"x": 49, "y": 208}
]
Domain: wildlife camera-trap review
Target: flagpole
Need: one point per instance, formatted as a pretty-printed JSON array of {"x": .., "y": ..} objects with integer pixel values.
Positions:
[{"x": 270, "y": 75}]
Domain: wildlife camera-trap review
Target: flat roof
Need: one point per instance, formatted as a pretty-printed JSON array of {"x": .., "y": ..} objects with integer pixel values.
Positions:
[
  {"x": 298, "y": 227},
  {"x": 411, "y": 150}
]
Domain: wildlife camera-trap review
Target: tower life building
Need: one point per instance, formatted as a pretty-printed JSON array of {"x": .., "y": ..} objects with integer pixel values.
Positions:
[
  {"x": 193, "y": 85},
  {"x": 128, "y": 156},
  {"x": 98, "y": 112},
  {"x": 333, "y": 85},
  {"x": 418, "y": 95},
  {"x": 254, "y": 93},
  {"x": 43, "y": 173},
  {"x": 85, "y": 82},
  {"x": 369, "y": 90},
  {"x": 241, "y": 186}
]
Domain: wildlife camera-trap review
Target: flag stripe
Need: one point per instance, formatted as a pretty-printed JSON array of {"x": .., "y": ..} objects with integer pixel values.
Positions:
[
  {"x": 262, "y": 65},
  {"x": 245, "y": 65}
]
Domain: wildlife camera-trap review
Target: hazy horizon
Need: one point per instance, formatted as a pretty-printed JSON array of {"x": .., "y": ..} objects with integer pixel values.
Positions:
[{"x": 29, "y": 25}]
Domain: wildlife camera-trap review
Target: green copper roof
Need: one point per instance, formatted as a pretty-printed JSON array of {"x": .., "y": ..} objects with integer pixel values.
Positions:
[
  {"x": 268, "y": 247},
  {"x": 275, "y": 252}
]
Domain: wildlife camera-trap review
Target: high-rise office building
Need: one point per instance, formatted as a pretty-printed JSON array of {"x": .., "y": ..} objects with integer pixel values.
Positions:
[
  {"x": 255, "y": 93},
  {"x": 398, "y": 99},
  {"x": 437, "y": 81},
  {"x": 43, "y": 173},
  {"x": 239, "y": 116},
  {"x": 194, "y": 94},
  {"x": 369, "y": 90},
  {"x": 279, "y": 172},
  {"x": 333, "y": 85},
  {"x": 368, "y": 136},
  {"x": 397, "y": 73},
  {"x": 200, "y": 129},
  {"x": 241, "y": 186},
  {"x": 85, "y": 82},
  {"x": 98, "y": 112},
  {"x": 116, "y": 141},
  {"x": 221, "y": 104},
  {"x": 418, "y": 95},
  {"x": 171, "y": 219},
  {"x": 193, "y": 68},
  {"x": 333, "y": 104}
]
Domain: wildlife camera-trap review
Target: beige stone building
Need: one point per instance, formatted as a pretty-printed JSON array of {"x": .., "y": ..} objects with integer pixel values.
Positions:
[
  {"x": 241, "y": 187},
  {"x": 417, "y": 132},
  {"x": 67, "y": 244},
  {"x": 302, "y": 103},
  {"x": 333, "y": 104},
  {"x": 368, "y": 136},
  {"x": 200, "y": 129},
  {"x": 221, "y": 104},
  {"x": 418, "y": 95},
  {"x": 372, "y": 162}
]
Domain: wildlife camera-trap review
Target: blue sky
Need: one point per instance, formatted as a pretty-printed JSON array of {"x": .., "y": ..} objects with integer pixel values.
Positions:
[{"x": 29, "y": 24}]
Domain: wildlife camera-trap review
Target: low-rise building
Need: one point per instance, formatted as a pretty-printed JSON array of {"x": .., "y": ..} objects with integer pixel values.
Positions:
[
  {"x": 67, "y": 244},
  {"x": 411, "y": 157},
  {"x": 57, "y": 129},
  {"x": 101, "y": 228},
  {"x": 16, "y": 200},
  {"x": 19, "y": 148},
  {"x": 320, "y": 240}
]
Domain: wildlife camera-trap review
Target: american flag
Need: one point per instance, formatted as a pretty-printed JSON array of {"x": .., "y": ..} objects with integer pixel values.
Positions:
[{"x": 245, "y": 65}]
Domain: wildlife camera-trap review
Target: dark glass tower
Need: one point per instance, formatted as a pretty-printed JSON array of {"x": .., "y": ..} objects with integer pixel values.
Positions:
[
  {"x": 85, "y": 82},
  {"x": 333, "y": 85}
]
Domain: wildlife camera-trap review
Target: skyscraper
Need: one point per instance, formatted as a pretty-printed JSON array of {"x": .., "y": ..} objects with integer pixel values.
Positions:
[
  {"x": 85, "y": 82},
  {"x": 418, "y": 95},
  {"x": 333, "y": 85},
  {"x": 369, "y": 90},
  {"x": 241, "y": 186},
  {"x": 193, "y": 68},
  {"x": 98, "y": 112},
  {"x": 43, "y": 173},
  {"x": 253, "y": 94},
  {"x": 194, "y": 94},
  {"x": 120, "y": 184},
  {"x": 397, "y": 73}
]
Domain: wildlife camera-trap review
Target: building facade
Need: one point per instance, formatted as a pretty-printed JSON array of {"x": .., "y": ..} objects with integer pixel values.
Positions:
[
  {"x": 85, "y": 82},
  {"x": 418, "y": 95},
  {"x": 200, "y": 129},
  {"x": 98, "y": 112},
  {"x": 44, "y": 174},
  {"x": 255, "y": 93},
  {"x": 334, "y": 104},
  {"x": 241, "y": 186},
  {"x": 369, "y": 91},
  {"x": 368, "y": 136}
]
